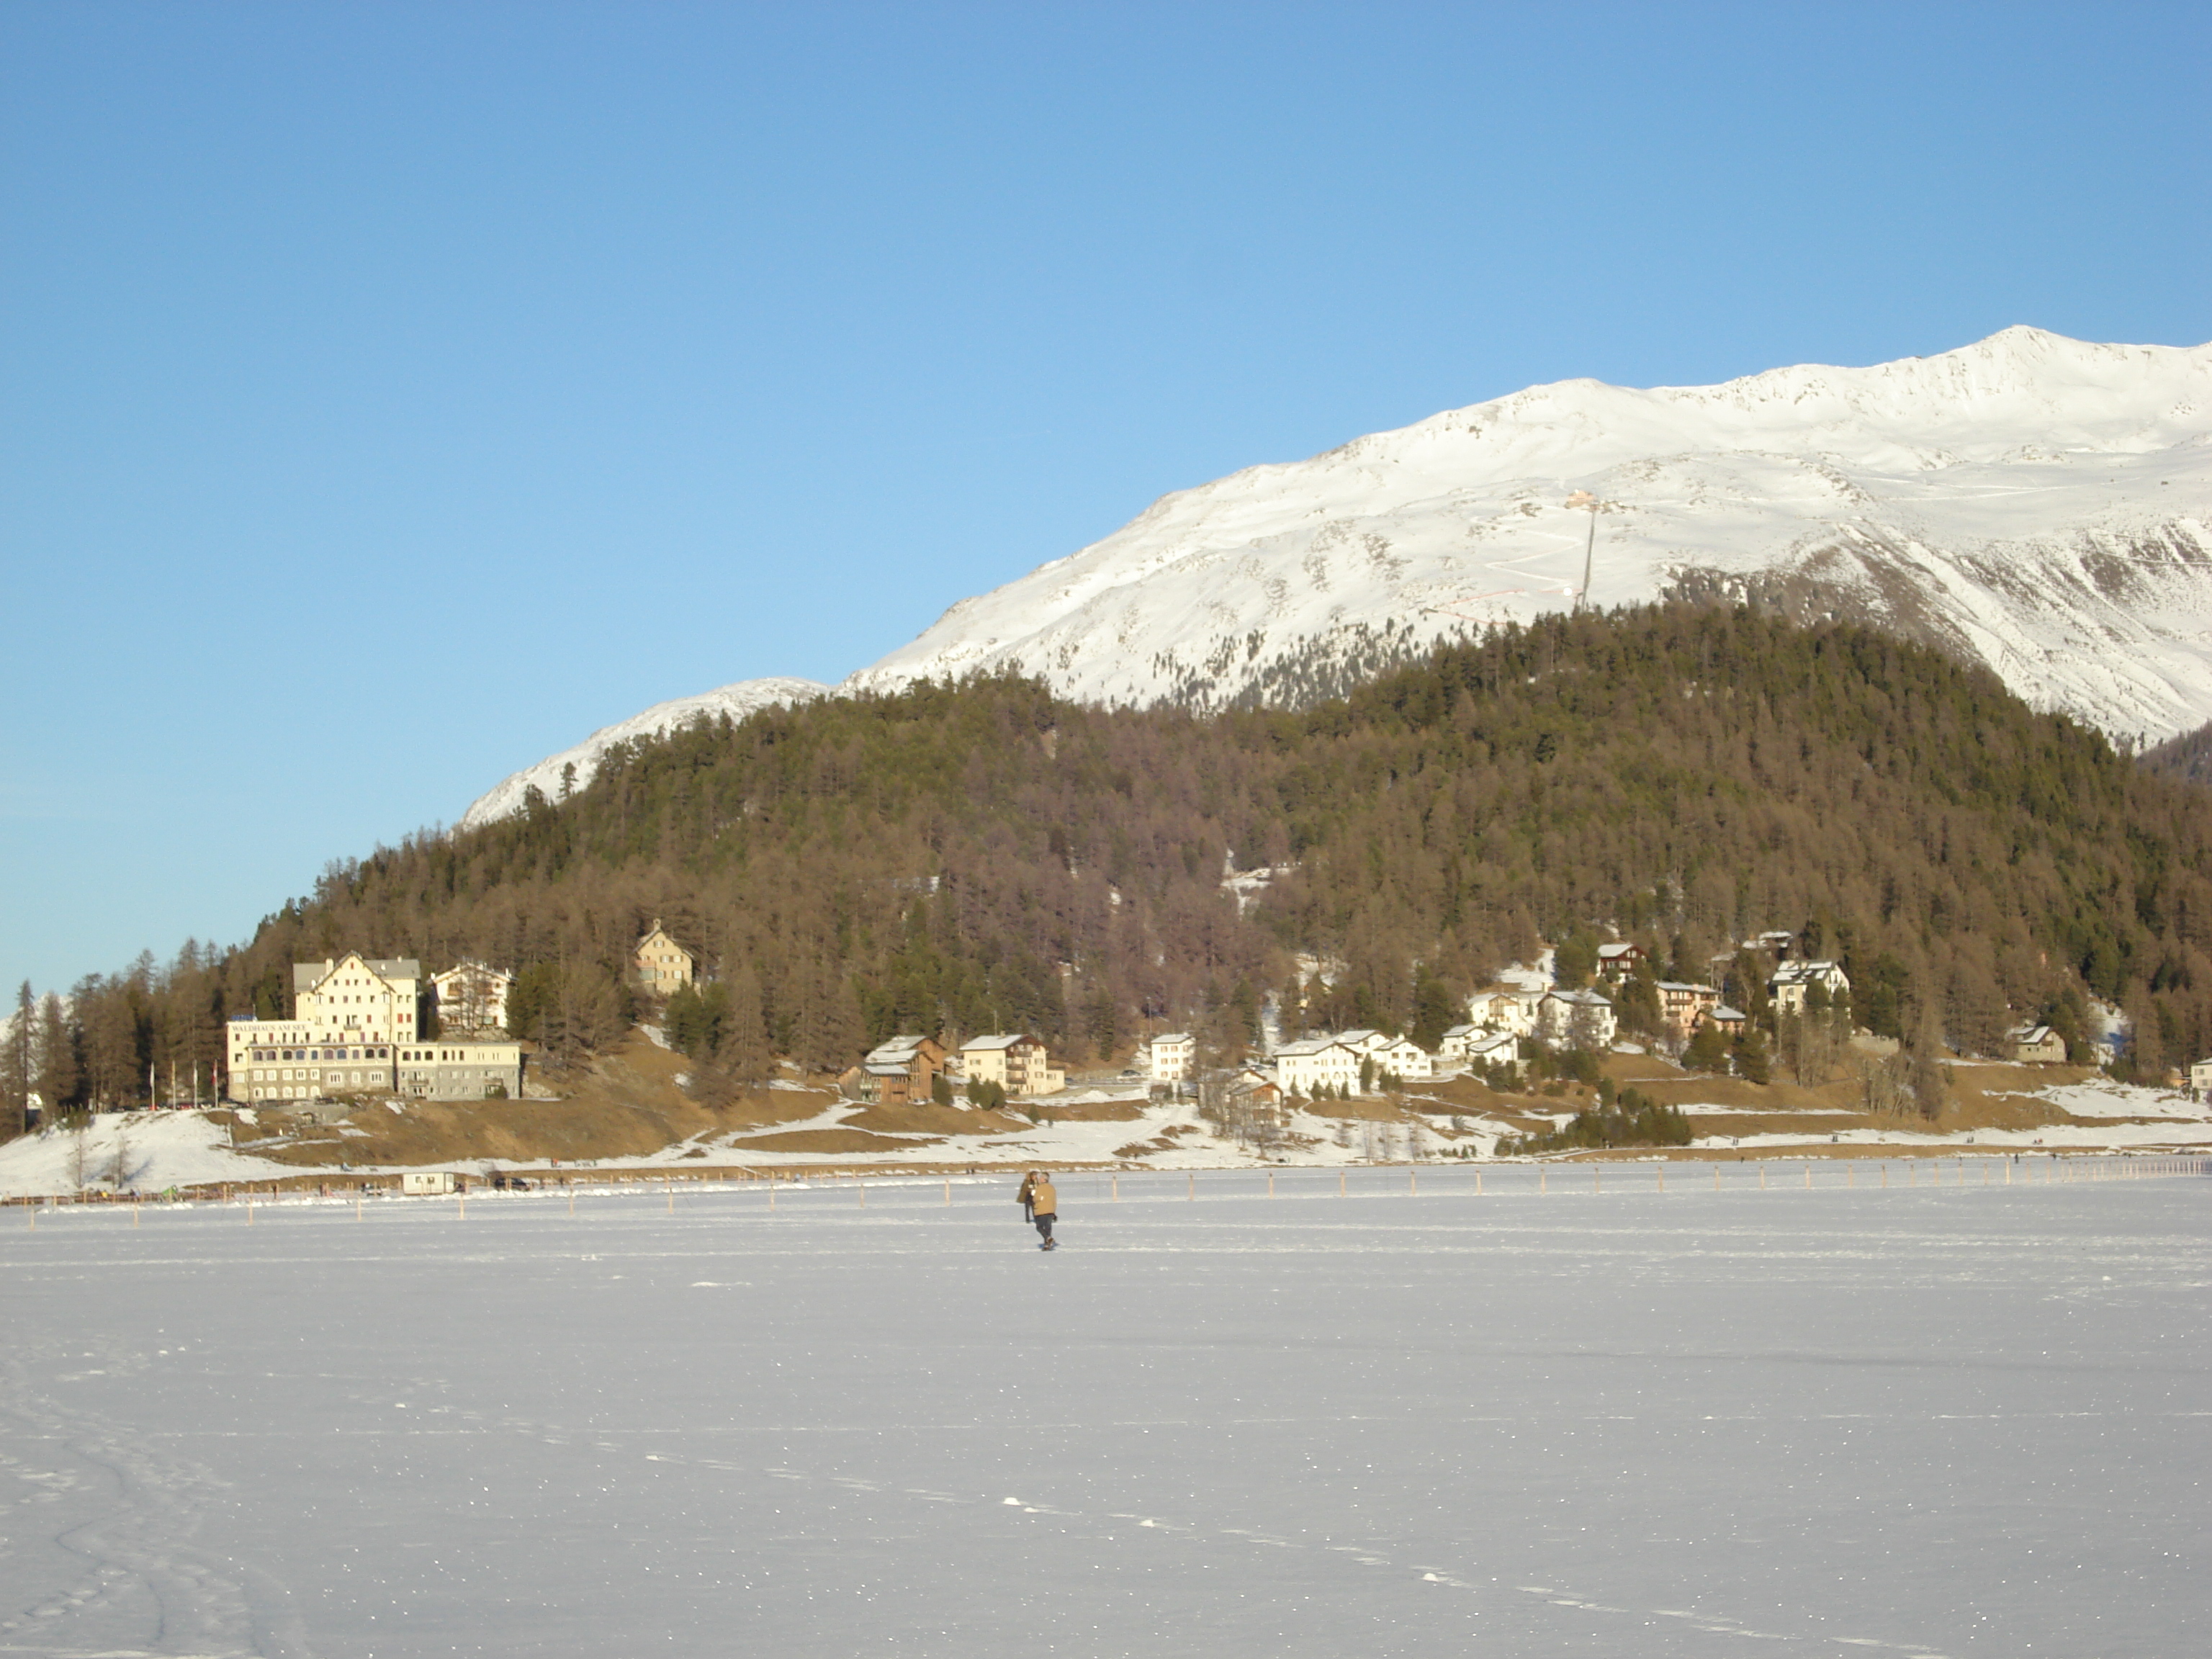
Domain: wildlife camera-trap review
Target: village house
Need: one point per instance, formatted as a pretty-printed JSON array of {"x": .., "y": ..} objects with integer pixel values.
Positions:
[
  {"x": 1171, "y": 1057},
  {"x": 896, "y": 1072},
  {"x": 1617, "y": 960},
  {"x": 355, "y": 1030},
  {"x": 1506, "y": 1008},
  {"x": 1252, "y": 1086},
  {"x": 1314, "y": 1064},
  {"x": 1729, "y": 1022},
  {"x": 1397, "y": 1056},
  {"x": 1014, "y": 1060},
  {"x": 1681, "y": 1005},
  {"x": 1455, "y": 1042},
  {"x": 2036, "y": 1045},
  {"x": 1495, "y": 1049},
  {"x": 662, "y": 965},
  {"x": 1790, "y": 983},
  {"x": 2200, "y": 1078},
  {"x": 470, "y": 997},
  {"x": 1576, "y": 1019},
  {"x": 1778, "y": 942}
]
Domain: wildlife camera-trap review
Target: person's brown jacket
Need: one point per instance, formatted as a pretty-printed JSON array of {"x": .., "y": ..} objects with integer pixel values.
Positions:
[{"x": 1043, "y": 1199}]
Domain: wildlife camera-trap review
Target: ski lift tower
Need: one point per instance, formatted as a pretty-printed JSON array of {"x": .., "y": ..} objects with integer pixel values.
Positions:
[{"x": 1583, "y": 498}]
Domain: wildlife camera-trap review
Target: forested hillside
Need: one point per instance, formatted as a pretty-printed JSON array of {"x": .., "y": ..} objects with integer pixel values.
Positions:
[{"x": 988, "y": 857}]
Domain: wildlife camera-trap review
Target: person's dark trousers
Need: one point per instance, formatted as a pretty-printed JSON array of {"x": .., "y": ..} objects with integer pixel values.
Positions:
[{"x": 1044, "y": 1227}]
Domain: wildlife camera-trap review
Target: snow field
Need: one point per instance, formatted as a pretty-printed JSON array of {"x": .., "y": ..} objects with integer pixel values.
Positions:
[{"x": 1378, "y": 1413}]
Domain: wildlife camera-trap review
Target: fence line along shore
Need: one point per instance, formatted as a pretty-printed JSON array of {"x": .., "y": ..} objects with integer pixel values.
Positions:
[{"x": 1109, "y": 1184}]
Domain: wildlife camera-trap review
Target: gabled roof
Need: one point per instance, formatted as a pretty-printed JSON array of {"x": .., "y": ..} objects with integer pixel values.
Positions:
[
  {"x": 995, "y": 1040},
  {"x": 1724, "y": 1012},
  {"x": 1170, "y": 1036},
  {"x": 307, "y": 975},
  {"x": 1586, "y": 999},
  {"x": 1685, "y": 985},
  {"x": 1312, "y": 1045}
]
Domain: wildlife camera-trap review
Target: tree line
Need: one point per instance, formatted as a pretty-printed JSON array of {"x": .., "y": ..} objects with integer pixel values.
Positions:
[{"x": 985, "y": 856}]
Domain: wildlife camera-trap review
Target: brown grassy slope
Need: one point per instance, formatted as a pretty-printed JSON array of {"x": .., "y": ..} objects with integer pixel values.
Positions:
[{"x": 626, "y": 1103}]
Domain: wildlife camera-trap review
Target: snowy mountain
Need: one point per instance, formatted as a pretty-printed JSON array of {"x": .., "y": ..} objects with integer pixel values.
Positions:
[
  {"x": 2037, "y": 503},
  {"x": 737, "y": 701},
  {"x": 2033, "y": 501}
]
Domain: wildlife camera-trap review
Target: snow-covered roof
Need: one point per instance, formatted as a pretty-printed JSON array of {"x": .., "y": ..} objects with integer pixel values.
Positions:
[
  {"x": 994, "y": 1041},
  {"x": 1586, "y": 999},
  {"x": 897, "y": 1050},
  {"x": 1171, "y": 1036},
  {"x": 1798, "y": 973},
  {"x": 1724, "y": 1012}
]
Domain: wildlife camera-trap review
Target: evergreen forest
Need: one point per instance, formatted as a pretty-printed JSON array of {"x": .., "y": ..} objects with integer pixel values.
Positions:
[{"x": 957, "y": 859}]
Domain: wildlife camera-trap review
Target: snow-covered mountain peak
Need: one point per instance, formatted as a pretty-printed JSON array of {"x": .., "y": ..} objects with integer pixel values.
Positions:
[
  {"x": 2035, "y": 503},
  {"x": 2028, "y": 499}
]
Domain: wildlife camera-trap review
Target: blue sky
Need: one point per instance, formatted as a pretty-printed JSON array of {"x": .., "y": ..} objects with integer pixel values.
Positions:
[{"x": 392, "y": 395}]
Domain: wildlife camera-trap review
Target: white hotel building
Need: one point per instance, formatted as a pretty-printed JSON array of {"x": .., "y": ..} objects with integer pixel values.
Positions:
[{"x": 355, "y": 1030}]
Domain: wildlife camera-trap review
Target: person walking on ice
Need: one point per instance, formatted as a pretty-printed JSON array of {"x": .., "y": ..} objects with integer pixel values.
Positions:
[
  {"x": 1045, "y": 1205},
  {"x": 1022, "y": 1198}
]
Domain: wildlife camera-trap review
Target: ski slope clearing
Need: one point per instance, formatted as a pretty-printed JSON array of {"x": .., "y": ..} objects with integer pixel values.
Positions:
[{"x": 1934, "y": 1420}]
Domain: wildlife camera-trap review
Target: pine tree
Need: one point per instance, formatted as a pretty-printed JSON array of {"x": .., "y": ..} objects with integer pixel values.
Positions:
[
  {"x": 18, "y": 1065},
  {"x": 59, "y": 1070}
]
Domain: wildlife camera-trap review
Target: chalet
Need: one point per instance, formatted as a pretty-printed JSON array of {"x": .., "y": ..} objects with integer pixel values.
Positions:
[
  {"x": 1681, "y": 1005},
  {"x": 1778, "y": 942},
  {"x": 1791, "y": 982},
  {"x": 2200, "y": 1079},
  {"x": 2036, "y": 1045},
  {"x": 896, "y": 1072},
  {"x": 662, "y": 965},
  {"x": 1253, "y": 1087},
  {"x": 1014, "y": 1060},
  {"x": 1576, "y": 1019},
  {"x": 1171, "y": 1057},
  {"x": 1617, "y": 960}
]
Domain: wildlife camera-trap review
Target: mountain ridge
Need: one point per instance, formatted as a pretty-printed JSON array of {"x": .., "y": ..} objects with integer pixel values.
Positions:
[{"x": 2037, "y": 504}]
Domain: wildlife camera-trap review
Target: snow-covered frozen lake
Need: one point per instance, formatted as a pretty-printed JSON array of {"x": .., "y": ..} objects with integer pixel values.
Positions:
[{"x": 1956, "y": 1420}]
